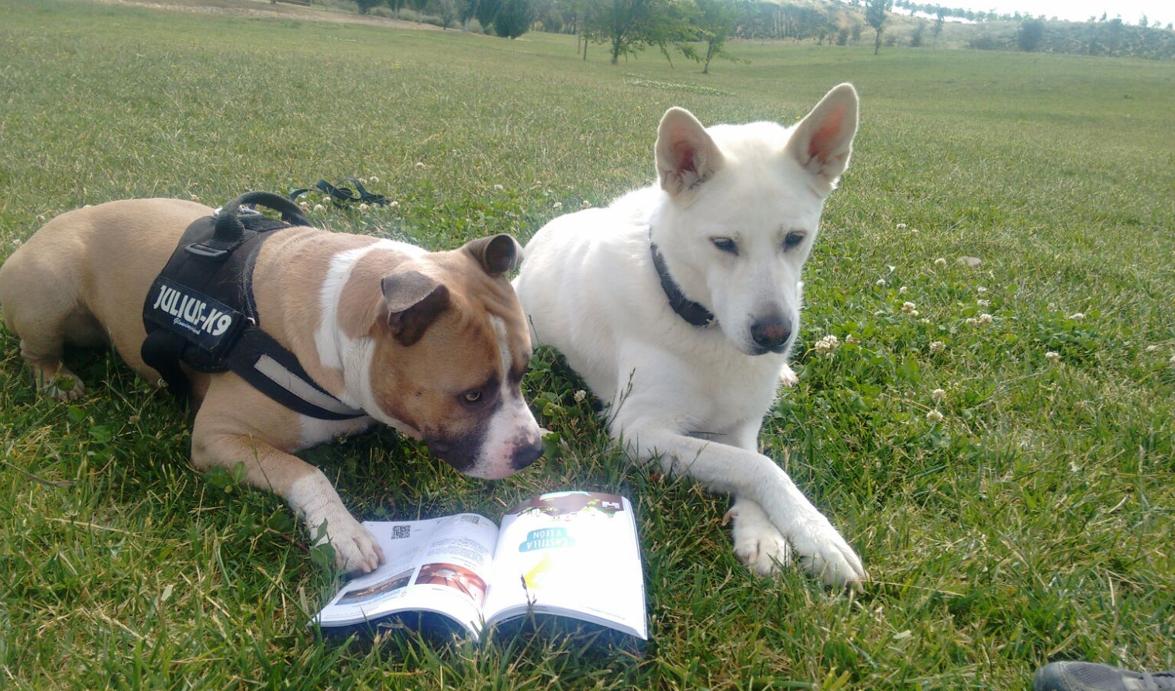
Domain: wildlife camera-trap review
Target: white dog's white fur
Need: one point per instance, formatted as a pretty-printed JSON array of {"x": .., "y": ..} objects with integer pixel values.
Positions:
[{"x": 734, "y": 215}]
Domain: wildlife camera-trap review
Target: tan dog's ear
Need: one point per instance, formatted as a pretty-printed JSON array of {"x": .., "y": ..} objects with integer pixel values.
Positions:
[
  {"x": 497, "y": 254},
  {"x": 686, "y": 156},
  {"x": 823, "y": 141},
  {"x": 414, "y": 301}
]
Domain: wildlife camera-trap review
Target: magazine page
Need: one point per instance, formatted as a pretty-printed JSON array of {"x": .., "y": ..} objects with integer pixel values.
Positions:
[
  {"x": 440, "y": 565},
  {"x": 574, "y": 554}
]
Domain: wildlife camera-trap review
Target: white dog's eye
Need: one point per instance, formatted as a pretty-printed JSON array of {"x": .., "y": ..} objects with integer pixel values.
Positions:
[
  {"x": 792, "y": 239},
  {"x": 725, "y": 244}
]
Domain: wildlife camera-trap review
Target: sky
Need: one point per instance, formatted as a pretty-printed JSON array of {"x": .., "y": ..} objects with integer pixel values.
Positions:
[{"x": 1161, "y": 11}]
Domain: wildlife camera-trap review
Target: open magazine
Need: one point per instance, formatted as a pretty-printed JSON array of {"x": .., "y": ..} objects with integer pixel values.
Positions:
[{"x": 570, "y": 554}]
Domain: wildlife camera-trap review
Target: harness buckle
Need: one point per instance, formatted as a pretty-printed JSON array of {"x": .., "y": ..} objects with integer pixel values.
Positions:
[{"x": 206, "y": 251}]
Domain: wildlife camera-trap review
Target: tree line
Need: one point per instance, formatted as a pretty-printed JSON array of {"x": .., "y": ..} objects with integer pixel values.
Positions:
[{"x": 699, "y": 29}]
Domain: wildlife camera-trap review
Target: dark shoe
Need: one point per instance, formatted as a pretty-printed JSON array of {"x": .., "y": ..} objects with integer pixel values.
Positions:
[{"x": 1090, "y": 676}]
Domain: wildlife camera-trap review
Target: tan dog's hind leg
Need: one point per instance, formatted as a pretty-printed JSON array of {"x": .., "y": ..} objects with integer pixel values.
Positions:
[
  {"x": 308, "y": 492},
  {"x": 42, "y": 307}
]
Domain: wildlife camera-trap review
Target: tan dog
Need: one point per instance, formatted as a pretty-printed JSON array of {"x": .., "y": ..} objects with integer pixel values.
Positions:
[{"x": 433, "y": 344}]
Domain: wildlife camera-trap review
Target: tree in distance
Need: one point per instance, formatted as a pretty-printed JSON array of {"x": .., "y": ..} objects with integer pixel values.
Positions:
[
  {"x": 1029, "y": 35},
  {"x": 875, "y": 13},
  {"x": 513, "y": 18}
]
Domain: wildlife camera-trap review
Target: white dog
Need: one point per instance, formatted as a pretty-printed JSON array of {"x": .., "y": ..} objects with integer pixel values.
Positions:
[{"x": 678, "y": 305}]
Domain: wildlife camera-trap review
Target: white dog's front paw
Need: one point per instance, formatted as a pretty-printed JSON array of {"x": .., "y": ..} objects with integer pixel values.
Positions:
[
  {"x": 825, "y": 554},
  {"x": 787, "y": 376},
  {"x": 356, "y": 550},
  {"x": 757, "y": 544}
]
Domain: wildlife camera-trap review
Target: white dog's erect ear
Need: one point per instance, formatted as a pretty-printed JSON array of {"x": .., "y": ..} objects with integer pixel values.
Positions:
[
  {"x": 686, "y": 155},
  {"x": 823, "y": 141}
]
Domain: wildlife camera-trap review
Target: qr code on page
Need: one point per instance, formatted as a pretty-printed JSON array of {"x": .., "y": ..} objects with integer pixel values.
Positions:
[{"x": 401, "y": 532}]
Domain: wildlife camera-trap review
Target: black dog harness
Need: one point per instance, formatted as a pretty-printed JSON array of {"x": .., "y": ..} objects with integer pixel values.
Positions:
[{"x": 200, "y": 311}]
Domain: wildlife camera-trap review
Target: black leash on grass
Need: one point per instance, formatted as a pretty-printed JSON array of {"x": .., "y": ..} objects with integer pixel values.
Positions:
[{"x": 341, "y": 196}]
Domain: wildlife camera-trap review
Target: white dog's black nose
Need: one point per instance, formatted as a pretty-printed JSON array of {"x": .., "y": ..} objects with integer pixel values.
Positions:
[{"x": 771, "y": 333}]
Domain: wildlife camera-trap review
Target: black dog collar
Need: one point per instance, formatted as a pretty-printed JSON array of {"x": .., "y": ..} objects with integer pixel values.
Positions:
[{"x": 694, "y": 313}]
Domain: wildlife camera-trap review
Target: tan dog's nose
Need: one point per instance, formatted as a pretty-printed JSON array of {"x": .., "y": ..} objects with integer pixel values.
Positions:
[{"x": 526, "y": 454}]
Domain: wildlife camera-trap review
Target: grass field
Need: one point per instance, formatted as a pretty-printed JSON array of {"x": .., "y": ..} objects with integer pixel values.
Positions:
[{"x": 1034, "y": 521}]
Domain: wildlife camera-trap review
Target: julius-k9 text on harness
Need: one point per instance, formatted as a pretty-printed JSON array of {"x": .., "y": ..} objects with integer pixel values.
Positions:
[{"x": 200, "y": 311}]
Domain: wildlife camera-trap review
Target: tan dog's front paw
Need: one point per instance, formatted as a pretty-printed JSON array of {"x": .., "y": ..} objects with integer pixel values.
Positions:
[
  {"x": 330, "y": 523},
  {"x": 354, "y": 546}
]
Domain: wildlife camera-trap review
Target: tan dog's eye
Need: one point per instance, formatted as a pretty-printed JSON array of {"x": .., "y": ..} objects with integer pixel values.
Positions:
[{"x": 471, "y": 396}]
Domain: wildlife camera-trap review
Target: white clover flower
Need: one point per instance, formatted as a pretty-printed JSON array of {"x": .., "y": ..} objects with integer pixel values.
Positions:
[
  {"x": 394, "y": 204},
  {"x": 193, "y": 197},
  {"x": 851, "y": 339},
  {"x": 1052, "y": 356},
  {"x": 1077, "y": 316},
  {"x": 580, "y": 396},
  {"x": 319, "y": 208},
  {"x": 557, "y": 205},
  {"x": 305, "y": 206},
  {"x": 827, "y": 344},
  {"x": 374, "y": 179},
  {"x": 420, "y": 164},
  {"x": 984, "y": 318},
  {"x": 938, "y": 395},
  {"x": 17, "y": 242},
  {"x": 363, "y": 207},
  {"x": 983, "y": 303},
  {"x": 362, "y": 181},
  {"x": 901, "y": 226},
  {"x": 1172, "y": 361},
  {"x": 880, "y": 282},
  {"x": 584, "y": 204},
  {"x": 940, "y": 262},
  {"x": 498, "y": 188},
  {"x": 980, "y": 289},
  {"x": 972, "y": 321},
  {"x": 902, "y": 290},
  {"x": 937, "y": 346},
  {"x": 934, "y": 416},
  {"x": 908, "y": 308},
  {"x": 1151, "y": 348}
]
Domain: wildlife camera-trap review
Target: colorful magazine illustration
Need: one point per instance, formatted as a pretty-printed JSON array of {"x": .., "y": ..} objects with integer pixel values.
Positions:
[{"x": 569, "y": 554}]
